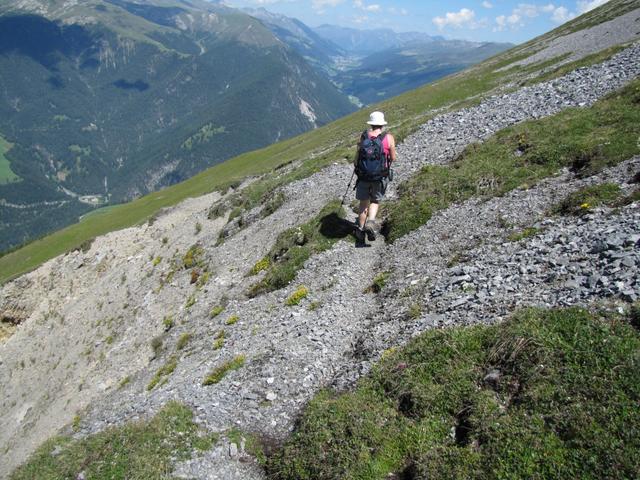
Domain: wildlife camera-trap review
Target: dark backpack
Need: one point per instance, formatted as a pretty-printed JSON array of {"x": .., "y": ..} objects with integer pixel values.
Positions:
[{"x": 372, "y": 162}]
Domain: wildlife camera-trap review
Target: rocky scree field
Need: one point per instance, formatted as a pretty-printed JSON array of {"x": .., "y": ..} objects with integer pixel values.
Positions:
[{"x": 143, "y": 317}]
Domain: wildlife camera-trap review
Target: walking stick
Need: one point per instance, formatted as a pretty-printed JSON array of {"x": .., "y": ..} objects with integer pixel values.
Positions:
[{"x": 348, "y": 187}]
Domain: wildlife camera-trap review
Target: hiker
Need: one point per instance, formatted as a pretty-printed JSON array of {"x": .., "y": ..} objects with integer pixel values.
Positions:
[{"x": 375, "y": 153}]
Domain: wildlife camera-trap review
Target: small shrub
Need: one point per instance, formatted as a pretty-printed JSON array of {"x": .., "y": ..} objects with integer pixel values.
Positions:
[
  {"x": 260, "y": 265},
  {"x": 218, "y": 373},
  {"x": 232, "y": 320},
  {"x": 415, "y": 310},
  {"x": 584, "y": 200},
  {"x": 378, "y": 283},
  {"x": 215, "y": 311},
  {"x": 314, "y": 306},
  {"x": 156, "y": 261},
  {"x": 296, "y": 297},
  {"x": 85, "y": 246},
  {"x": 273, "y": 203},
  {"x": 203, "y": 279},
  {"x": 75, "y": 423},
  {"x": 190, "y": 301},
  {"x": 163, "y": 372},
  {"x": 156, "y": 344},
  {"x": 183, "y": 340},
  {"x": 217, "y": 210},
  {"x": 193, "y": 257},
  {"x": 526, "y": 233},
  {"x": 167, "y": 323},
  {"x": 218, "y": 340},
  {"x": 195, "y": 274}
]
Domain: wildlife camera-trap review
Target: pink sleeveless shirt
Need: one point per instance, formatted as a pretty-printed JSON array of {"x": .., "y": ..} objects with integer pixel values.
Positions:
[{"x": 385, "y": 143}]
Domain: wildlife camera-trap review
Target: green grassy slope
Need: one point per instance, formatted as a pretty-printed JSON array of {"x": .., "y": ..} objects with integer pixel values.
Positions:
[
  {"x": 313, "y": 149},
  {"x": 550, "y": 394},
  {"x": 6, "y": 174}
]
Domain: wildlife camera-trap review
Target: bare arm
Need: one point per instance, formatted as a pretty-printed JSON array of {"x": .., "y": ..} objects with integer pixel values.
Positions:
[
  {"x": 355, "y": 157},
  {"x": 392, "y": 148}
]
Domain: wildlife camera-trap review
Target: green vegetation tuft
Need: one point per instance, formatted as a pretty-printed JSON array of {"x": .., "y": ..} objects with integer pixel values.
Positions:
[
  {"x": 585, "y": 199},
  {"x": 145, "y": 449},
  {"x": 168, "y": 322},
  {"x": 548, "y": 394},
  {"x": 218, "y": 340},
  {"x": 183, "y": 340},
  {"x": 163, "y": 372},
  {"x": 215, "y": 311},
  {"x": 294, "y": 246},
  {"x": 378, "y": 283},
  {"x": 525, "y": 233},
  {"x": 6, "y": 174},
  {"x": 218, "y": 373},
  {"x": 260, "y": 265},
  {"x": 191, "y": 301},
  {"x": 296, "y": 297},
  {"x": 519, "y": 156},
  {"x": 232, "y": 320},
  {"x": 193, "y": 257}
]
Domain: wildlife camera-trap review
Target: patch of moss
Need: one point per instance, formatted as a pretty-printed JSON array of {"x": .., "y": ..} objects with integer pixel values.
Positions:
[
  {"x": 218, "y": 373},
  {"x": 260, "y": 265},
  {"x": 584, "y": 200},
  {"x": 378, "y": 284},
  {"x": 525, "y": 233},
  {"x": 232, "y": 320},
  {"x": 163, "y": 372},
  {"x": 296, "y": 297}
]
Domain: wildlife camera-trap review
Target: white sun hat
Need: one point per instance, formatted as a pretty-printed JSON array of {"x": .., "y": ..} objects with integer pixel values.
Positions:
[{"x": 377, "y": 119}]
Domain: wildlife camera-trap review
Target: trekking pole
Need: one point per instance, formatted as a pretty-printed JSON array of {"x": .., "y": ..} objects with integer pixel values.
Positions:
[{"x": 348, "y": 187}]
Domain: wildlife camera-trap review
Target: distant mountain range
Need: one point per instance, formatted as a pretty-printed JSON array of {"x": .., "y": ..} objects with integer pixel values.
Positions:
[
  {"x": 372, "y": 65},
  {"x": 366, "y": 42},
  {"x": 102, "y": 101}
]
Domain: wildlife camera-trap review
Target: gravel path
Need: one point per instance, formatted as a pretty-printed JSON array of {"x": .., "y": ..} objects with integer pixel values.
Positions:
[{"x": 335, "y": 333}]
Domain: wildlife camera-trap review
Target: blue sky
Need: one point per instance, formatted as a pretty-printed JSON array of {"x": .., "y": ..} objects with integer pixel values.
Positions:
[{"x": 495, "y": 20}]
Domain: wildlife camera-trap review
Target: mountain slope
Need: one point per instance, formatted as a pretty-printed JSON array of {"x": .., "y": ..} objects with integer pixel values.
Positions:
[
  {"x": 367, "y": 42},
  {"x": 135, "y": 320},
  {"x": 303, "y": 39},
  {"x": 390, "y": 72},
  {"x": 105, "y": 101}
]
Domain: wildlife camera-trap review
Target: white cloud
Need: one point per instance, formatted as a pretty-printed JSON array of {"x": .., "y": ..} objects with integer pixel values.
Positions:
[
  {"x": 322, "y": 4},
  {"x": 456, "y": 19},
  {"x": 585, "y": 5},
  {"x": 367, "y": 8},
  {"x": 486, "y": 4},
  {"x": 561, "y": 15},
  {"x": 525, "y": 11},
  {"x": 398, "y": 11}
]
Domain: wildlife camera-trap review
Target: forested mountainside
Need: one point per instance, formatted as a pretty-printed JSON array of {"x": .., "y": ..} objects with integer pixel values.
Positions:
[{"x": 103, "y": 101}]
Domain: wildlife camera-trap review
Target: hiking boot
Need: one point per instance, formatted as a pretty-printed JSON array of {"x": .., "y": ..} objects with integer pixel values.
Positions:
[
  {"x": 372, "y": 229},
  {"x": 371, "y": 234},
  {"x": 359, "y": 233}
]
